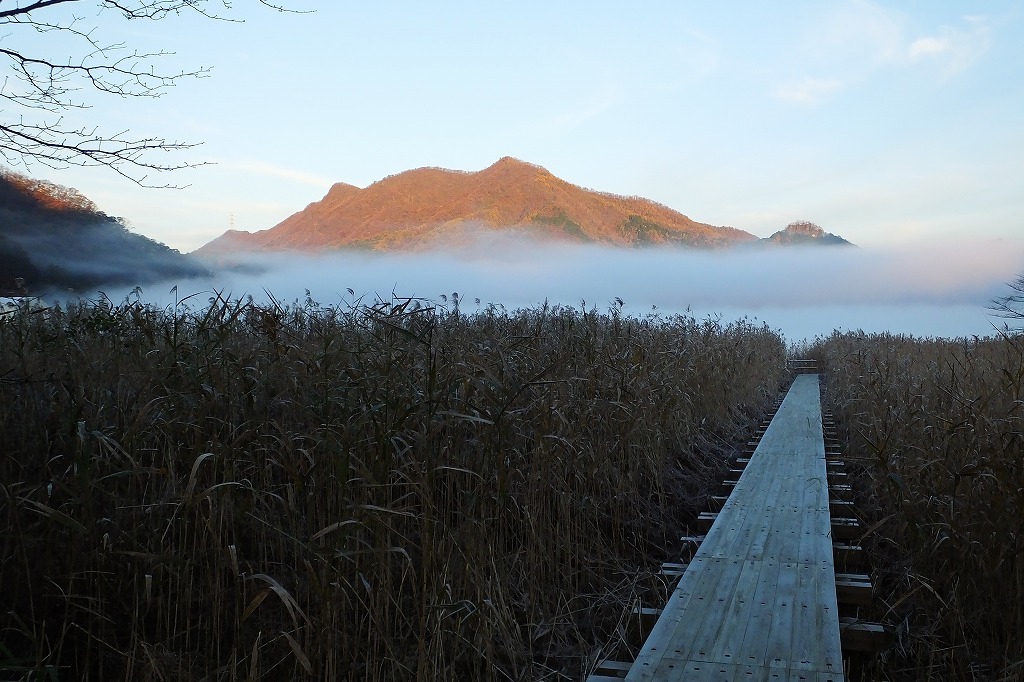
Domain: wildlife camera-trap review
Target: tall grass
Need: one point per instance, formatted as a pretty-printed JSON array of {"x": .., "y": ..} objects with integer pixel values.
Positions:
[
  {"x": 938, "y": 426},
  {"x": 238, "y": 491}
]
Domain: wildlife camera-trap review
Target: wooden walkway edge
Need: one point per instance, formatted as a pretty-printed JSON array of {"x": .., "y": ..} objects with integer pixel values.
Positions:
[{"x": 758, "y": 599}]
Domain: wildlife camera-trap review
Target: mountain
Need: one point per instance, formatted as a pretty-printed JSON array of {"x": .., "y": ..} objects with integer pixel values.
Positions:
[
  {"x": 53, "y": 237},
  {"x": 804, "y": 233},
  {"x": 430, "y": 206}
]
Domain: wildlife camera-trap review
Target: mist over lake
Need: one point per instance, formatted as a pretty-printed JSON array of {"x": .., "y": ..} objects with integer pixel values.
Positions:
[{"x": 937, "y": 289}]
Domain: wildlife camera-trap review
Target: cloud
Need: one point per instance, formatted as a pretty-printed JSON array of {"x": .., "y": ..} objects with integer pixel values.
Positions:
[
  {"x": 842, "y": 48},
  {"x": 923, "y": 47},
  {"x": 859, "y": 39},
  {"x": 955, "y": 50}
]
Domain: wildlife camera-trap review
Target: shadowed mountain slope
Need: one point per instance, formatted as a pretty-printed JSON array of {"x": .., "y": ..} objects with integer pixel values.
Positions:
[{"x": 53, "y": 237}]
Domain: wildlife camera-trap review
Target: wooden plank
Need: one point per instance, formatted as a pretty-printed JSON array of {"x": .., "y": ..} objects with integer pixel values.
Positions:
[
  {"x": 758, "y": 600},
  {"x": 754, "y": 648},
  {"x": 642, "y": 622},
  {"x": 687, "y": 671},
  {"x": 846, "y": 528},
  {"x": 780, "y": 636},
  {"x": 817, "y": 612},
  {"x": 853, "y": 588},
  {"x": 846, "y": 555},
  {"x": 858, "y": 635},
  {"x": 700, "y": 577},
  {"x": 712, "y": 627},
  {"x": 610, "y": 670},
  {"x": 843, "y": 526}
]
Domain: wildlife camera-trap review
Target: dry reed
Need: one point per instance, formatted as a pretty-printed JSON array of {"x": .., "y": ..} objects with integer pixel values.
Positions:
[
  {"x": 937, "y": 427},
  {"x": 238, "y": 491}
]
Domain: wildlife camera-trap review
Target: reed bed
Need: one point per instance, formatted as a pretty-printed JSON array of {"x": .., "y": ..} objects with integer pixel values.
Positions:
[
  {"x": 387, "y": 491},
  {"x": 937, "y": 427}
]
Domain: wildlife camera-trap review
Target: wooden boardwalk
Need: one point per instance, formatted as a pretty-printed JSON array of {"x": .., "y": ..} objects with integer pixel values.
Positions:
[{"x": 758, "y": 600}]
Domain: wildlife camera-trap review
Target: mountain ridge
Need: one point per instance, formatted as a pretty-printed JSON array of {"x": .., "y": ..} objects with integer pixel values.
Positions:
[
  {"x": 803, "y": 233},
  {"x": 416, "y": 208}
]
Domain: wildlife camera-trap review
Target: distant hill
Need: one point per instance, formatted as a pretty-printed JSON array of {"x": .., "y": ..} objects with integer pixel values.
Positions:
[
  {"x": 433, "y": 206},
  {"x": 804, "y": 233},
  {"x": 52, "y": 237}
]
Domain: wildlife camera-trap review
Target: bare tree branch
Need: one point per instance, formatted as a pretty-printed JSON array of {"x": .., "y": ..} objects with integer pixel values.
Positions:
[
  {"x": 1011, "y": 306},
  {"x": 31, "y": 7},
  {"x": 40, "y": 88}
]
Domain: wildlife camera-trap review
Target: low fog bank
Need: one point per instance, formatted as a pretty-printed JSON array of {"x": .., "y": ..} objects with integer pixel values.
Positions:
[
  {"x": 926, "y": 290},
  {"x": 106, "y": 252},
  {"x": 82, "y": 252}
]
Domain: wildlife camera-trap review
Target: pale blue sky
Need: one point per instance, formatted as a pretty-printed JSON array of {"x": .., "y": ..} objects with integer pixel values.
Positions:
[{"x": 883, "y": 122}]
